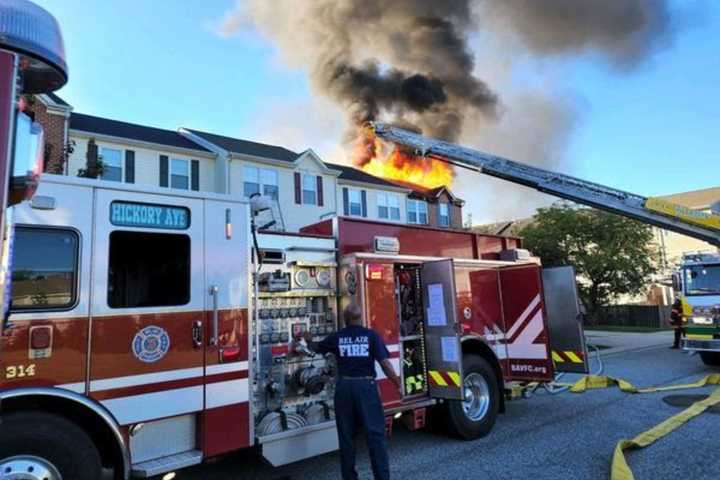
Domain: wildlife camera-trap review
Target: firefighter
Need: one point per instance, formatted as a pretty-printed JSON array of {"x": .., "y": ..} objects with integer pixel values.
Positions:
[
  {"x": 676, "y": 320},
  {"x": 357, "y": 402}
]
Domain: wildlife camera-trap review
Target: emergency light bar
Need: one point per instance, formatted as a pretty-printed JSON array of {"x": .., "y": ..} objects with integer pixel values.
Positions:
[{"x": 34, "y": 34}]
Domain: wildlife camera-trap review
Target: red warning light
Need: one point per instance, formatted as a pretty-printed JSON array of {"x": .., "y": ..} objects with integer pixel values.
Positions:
[{"x": 374, "y": 271}]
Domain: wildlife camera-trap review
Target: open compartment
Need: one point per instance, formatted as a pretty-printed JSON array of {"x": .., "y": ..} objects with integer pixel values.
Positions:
[{"x": 411, "y": 325}]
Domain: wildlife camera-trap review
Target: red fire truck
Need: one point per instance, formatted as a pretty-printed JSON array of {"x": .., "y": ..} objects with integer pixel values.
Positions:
[{"x": 145, "y": 337}]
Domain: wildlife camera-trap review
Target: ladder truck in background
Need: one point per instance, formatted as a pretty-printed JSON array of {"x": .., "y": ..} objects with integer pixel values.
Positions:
[{"x": 697, "y": 282}]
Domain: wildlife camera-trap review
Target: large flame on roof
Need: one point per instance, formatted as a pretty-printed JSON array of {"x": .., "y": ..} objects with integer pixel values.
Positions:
[{"x": 389, "y": 161}]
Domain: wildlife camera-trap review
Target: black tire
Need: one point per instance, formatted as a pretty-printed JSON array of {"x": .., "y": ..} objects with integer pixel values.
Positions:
[
  {"x": 460, "y": 423},
  {"x": 52, "y": 438},
  {"x": 710, "y": 358}
]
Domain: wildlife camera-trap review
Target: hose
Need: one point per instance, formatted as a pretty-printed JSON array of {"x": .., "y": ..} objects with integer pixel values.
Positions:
[{"x": 553, "y": 389}]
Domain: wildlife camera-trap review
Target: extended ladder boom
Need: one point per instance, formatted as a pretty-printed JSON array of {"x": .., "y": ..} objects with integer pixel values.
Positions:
[{"x": 654, "y": 211}]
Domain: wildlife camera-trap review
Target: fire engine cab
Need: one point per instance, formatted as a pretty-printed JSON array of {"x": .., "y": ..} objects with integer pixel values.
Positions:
[{"x": 152, "y": 329}]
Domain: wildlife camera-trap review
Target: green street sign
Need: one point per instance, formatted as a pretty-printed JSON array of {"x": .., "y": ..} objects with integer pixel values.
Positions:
[{"x": 146, "y": 215}]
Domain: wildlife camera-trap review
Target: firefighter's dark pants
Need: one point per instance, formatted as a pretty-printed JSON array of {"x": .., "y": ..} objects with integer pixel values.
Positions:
[
  {"x": 679, "y": 331},
  {"x": 357, "y": 404}
]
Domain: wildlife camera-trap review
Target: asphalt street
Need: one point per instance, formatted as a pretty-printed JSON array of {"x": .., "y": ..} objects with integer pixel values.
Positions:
[{"x": 564, "y": 436}]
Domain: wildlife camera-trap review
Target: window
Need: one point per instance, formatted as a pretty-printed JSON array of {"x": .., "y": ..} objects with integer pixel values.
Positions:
[
  {"x": 44, "y": 269},
  {"x": 388, "y": 206},
  {"x": 148, "y": 269},
  {"x": 443, "y": 214},
  {"x": 260, "y": 180},
  {"x": 417, "y": 212},
  {"x": 309, "y": 189},
  {"x": 112, "y": 164},
  {"x": 179, "y": 174},
  {"x": 355, "y": 203},
  {"x": 702, "y": 280}
]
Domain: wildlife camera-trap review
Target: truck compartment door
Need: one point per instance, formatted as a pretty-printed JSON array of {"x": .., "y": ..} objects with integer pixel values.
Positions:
[
  {"x": 567, "y": 338},
  {"x": 526, "y": 334},
  {"x": 487, "y": 312},
  {"x": 442, "y": 330}
]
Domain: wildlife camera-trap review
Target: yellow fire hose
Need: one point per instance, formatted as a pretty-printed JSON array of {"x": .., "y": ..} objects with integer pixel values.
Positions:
[{"x": 620, "y": 469}]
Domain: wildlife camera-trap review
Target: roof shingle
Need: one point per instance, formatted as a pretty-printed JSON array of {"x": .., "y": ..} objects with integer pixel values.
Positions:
[
  {"x": 352, "y": 174},
  {"x": 115, "y": 128},
  {"x": 236, "y": 145},
  {"x": 697, "y": 199}
]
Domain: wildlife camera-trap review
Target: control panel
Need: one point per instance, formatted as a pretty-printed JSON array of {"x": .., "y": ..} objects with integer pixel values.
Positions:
[{"x": 293, "y": 386}]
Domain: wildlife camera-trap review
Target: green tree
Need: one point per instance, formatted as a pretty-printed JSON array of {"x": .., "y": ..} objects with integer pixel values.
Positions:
[
  {"x": 94, "y": 166},
  {"x": 612, "y": 255}
]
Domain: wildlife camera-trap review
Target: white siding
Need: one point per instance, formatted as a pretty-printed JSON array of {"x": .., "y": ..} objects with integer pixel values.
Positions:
[
  {"x": 372, "y": 202},
  {"x": 147, "y": 162},
  {"x": 295, "y": 216}
]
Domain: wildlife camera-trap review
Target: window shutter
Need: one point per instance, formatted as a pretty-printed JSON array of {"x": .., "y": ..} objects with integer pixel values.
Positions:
[
  {"x": 129, "y": 166},
  {"x": 195, "y": 175},
  {"x": 320, "y": 190},
  {"x": 363, "y": 197},
  {"x": 163, "y": 170},
  {"x": 346, "y": 201},
  {"x": 298, "y": 190}
]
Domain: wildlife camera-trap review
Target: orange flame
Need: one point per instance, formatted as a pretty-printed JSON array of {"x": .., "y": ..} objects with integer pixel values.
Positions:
[{"x": 390, "y": 162}]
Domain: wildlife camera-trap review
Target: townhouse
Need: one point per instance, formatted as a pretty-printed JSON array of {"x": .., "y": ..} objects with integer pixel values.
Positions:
[{"x": 306, "y": 188}]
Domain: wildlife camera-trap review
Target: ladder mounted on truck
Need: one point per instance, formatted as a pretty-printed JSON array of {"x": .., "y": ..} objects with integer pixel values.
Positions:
[{"x": 655, "y": 211}]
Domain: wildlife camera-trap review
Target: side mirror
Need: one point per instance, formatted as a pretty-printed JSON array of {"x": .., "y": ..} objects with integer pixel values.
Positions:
[{"x": 676, "y": 283}]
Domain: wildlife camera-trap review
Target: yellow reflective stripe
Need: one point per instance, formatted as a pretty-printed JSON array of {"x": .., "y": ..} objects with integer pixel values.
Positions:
[
  {"x": 556, "y": 357},
  {"x": 455, "y": 377},
  {"x": 620, "y": 469},
  {"x": 698, "y": 337},
  {"x": 437, "y": 378},
  {"x": 573, "y": 357}
]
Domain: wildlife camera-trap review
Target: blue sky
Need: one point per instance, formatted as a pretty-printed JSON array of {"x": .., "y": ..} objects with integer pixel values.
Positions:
[{"x": 654, "y": 130}]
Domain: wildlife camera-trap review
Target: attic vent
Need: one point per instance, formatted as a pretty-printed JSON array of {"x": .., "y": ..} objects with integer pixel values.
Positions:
[{"x": 270, "y": 255}]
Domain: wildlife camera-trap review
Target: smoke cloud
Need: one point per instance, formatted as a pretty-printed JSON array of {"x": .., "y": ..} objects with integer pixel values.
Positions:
[
  {"x": 443, "y": 66},
  {"x": 623, "y": 31}
]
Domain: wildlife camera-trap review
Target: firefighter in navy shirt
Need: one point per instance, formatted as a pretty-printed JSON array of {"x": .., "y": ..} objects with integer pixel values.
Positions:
[{"x": 357, "y": 401}]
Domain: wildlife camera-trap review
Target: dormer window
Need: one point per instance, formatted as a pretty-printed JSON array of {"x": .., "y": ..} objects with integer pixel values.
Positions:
[{"x": 417, "y": 212}]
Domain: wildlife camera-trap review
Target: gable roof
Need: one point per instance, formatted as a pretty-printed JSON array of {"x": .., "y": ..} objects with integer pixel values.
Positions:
[
  {"x": 105, "y": 126},
  {"x": 353, "y": 174},
  {"x": 57, "y": 99},
  {"x": 246, "y": 147},
  {"x": 697, "y": 199}
]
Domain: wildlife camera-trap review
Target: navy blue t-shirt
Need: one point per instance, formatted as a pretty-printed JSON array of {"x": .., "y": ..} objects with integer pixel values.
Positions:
[{"x": 356, "y": 349}]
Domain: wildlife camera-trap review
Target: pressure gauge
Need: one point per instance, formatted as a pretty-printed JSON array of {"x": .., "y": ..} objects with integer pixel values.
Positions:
[
  {"x": 302, "y": 277},
  {"x": 323, "y": 277}
]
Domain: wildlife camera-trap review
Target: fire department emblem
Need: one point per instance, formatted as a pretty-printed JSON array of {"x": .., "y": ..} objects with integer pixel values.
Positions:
[{"x": 151, "y": 344}]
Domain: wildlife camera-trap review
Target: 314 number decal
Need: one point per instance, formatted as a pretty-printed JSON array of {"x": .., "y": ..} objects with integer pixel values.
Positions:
[{"x": 19, "y": 371}]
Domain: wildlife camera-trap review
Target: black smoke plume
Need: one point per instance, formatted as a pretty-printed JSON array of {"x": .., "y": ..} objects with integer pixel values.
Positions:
[{"x": 411, "y": 61}]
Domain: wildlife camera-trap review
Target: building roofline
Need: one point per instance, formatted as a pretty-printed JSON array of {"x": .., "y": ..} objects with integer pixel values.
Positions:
[{"x": 142, "y": 144}]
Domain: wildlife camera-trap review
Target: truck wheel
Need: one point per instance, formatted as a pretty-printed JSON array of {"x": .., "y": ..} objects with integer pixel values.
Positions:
[
  {"x": 475, "y": 416},
  {"x": 42, "y": 446},
  {"x": 710, "y": 358}
]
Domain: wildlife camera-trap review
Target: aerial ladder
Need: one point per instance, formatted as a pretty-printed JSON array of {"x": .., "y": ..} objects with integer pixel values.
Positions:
[{"x": 655, "y": 211}]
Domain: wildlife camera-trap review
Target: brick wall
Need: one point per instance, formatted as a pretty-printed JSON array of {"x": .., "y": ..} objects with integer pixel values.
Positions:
[{"x": 54, "y": 129}]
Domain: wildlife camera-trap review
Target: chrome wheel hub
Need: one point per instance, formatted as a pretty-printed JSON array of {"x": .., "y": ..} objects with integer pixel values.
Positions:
[
  {"x": 477, "y": 397},
  {"x": 28, "y": 467}
]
